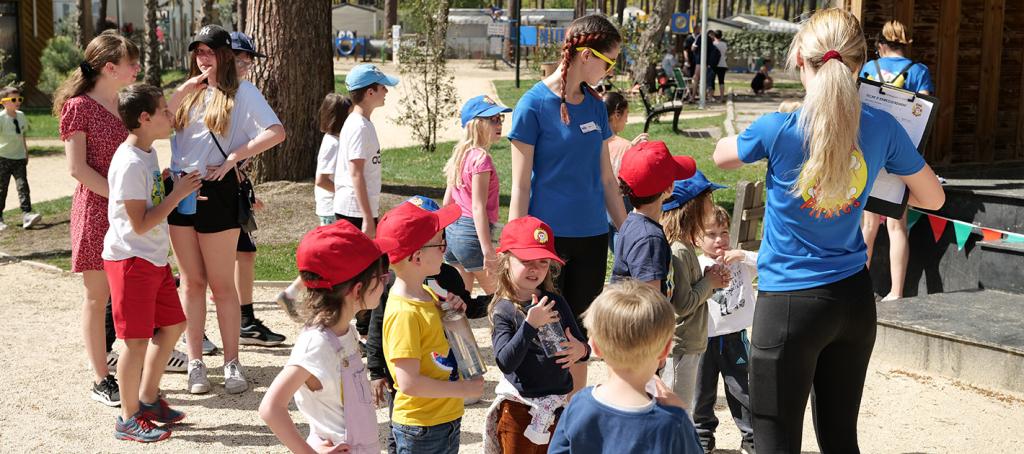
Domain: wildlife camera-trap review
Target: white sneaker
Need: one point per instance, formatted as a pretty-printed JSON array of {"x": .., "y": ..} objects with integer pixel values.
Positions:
[
  {"x": 178, "y": 362},
  {"x": 30, "y": 219},
  {"x": 209, "y": 347},
  {"x": 197, "y": 381},
  {"x": 234, "y": 378},
  {"x": 112, "y": 357},
  {"x": 3, "y": 226},
  {"x": 287, "y": 303}
]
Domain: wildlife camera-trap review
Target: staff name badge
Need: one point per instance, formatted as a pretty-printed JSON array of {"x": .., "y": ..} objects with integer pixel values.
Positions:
[{"x": 589, "y": 127}]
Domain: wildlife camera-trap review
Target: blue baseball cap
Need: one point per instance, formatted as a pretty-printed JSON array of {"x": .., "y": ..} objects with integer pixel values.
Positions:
[
  {"x": 365, "y": 75},
  {"x": 481, "y": 106},
  {"x": 241, "y": 43},
  {"x": 685, "y": 190},
  {"x": 424, "y": 202}
]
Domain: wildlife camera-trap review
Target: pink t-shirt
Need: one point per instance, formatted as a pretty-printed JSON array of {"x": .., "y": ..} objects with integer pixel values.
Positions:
[{"x": 463, "y": 195}]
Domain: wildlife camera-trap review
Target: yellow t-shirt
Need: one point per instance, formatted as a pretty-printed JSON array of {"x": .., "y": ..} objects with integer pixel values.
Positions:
[{"x": 413, "y": 330}]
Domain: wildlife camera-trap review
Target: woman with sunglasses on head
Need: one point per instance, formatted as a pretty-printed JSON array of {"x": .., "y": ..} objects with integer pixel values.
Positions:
[
  {"x": 561, "y": 171},
  {"x": 473, "y": 186},
  {"x": 219, "y": 122}
]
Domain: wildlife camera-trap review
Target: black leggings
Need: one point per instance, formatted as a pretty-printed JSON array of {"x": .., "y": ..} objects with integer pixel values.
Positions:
[
  {"x": 582, "y": 277},
  {"x": 815, "y": 341}
]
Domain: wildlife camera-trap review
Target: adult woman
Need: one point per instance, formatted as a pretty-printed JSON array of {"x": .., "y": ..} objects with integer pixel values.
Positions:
[
  {"x": 814, "y": 322},
  {"x": 91, "y": 129},
  {"x": 893, "y": 68},
  {"x": 561, "y": 172},
  {"x": 219, "y": 122}
]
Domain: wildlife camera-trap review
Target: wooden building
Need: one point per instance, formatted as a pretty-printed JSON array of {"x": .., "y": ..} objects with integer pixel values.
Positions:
[
  {"x": 975, "y": 51},
  {"x": 25, "y": 27}
]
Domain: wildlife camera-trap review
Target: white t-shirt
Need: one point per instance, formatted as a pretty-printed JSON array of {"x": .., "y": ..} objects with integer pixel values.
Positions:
[
  {"x": 134, "y": 175},
  {"x": 193, "y": 146},
  {"x": 732, "y": 309},
  {"x": 326, "y": 160},
  {"x": 722, "y": 47},
  {"x": 357, "y": 140}
]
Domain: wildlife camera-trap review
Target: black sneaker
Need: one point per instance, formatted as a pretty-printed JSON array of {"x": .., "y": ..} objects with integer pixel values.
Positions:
[
  {"x": 708, "y": 444},
  {"x": 258, "y": 334},
  {"x": 106, "y": 392},
  {"x": 747, "y": 447}
]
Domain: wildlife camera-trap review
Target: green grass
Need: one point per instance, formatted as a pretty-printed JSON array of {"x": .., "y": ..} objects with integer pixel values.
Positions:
[
  {"x": 43, "y": 124},
  {"x": 339, "y": 84},
  {"x": 34, "y": 151},
  {"x": 276, "y": 262},
  {"x": 47, "y": 208}
]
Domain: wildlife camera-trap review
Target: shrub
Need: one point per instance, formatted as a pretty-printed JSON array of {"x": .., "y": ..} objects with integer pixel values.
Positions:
[{"x": 59, "y": 58}]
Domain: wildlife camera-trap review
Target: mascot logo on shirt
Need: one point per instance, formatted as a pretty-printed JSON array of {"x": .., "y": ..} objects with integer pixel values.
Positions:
[
  {"x": 858, "y": 181},
  {"x": 540, "y": 235}
]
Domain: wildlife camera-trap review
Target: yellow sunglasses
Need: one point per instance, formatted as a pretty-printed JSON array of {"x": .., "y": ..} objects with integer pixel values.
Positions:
[
  {"x": 610, "y": 62},
  {"x": 13, "y": 99}
]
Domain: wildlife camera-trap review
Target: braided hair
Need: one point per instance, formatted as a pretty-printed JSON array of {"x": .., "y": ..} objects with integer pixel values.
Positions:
[{"x": 594, "y": 31}]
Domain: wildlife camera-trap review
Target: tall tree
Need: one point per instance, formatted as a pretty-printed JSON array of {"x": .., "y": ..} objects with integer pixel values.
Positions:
[
  {"x": 650, "y": 40},
  {"x": 294, "y": 79},
  {"x": 85, "y": 30},
  {"x": 208, "y": 15},
  {"x": 579, "y": 9},
  {"x": 390, "y": 16},
  {"x": 620, "y": 7},
  {"x": 101, "y": 18},
  {"x": 240, "y": 7},
  {"x": 151, "y": 53}
]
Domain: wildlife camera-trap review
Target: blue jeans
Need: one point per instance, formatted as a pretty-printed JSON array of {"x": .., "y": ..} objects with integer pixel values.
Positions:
[
  {"x": 464, "y": 245},
  {"x": 440, "y": 439}
]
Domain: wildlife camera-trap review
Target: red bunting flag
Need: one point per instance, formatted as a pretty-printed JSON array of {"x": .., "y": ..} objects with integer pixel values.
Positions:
[
  {"x": 938, "y": 226},
  {"x": 991, "y": 235}
]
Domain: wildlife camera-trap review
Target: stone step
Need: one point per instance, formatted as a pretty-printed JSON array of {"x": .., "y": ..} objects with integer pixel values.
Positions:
[
  {"x": 1002, "y": 266},
  {"x": 972, "y": 335}
]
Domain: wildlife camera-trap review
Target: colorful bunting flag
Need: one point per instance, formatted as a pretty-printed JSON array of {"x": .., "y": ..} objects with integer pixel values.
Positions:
[
  {"x": 1014, "y": 238},
  {"x": 962, "y": 231},
  {"x": 991, "y": 235},
  {"x": 912, "y": 217},
  {"x": 938, "y": 226}
]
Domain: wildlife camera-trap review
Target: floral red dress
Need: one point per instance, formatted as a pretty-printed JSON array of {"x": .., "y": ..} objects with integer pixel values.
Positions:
[{"x": 104, "y": 132}]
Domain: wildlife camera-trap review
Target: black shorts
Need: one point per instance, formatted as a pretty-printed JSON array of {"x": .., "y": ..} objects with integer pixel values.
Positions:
[
  {"x": 219, "y": 212},
  {"x": 246, "y": 243},
  {"x": 720, "y": 72},
  {"x": 358, "y": 222}
]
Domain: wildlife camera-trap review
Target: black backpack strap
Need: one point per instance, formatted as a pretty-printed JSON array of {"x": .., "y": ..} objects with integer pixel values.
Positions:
[
  {"x": 903, "y": 72},
  {"x": 239, "y": 173}
]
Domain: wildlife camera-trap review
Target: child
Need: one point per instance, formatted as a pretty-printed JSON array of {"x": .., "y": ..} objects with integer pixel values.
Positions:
[
  {"x": 135, "y": 260},
  {"x": 535, "y": 386},
  {"x": 731, "y": 311},
  {"x": 683, "y": 218},
  {"x": 789, "y": 105},
  {"x": 14, "y": 156},
  {"x": 618, "y": 113},
  {"x": 334, "y": 110},
  {"x": 762, "y": 82},
  {"x": 630, "y": 326},
  {"x": 473, "y": 186},
  {"x": 646, "y": 176},
  {"x": 344, "y": 272},
  {"x": 428, "y": 407}
]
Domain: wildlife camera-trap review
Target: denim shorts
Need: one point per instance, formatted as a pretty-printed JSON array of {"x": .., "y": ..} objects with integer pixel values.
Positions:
[
  {"x": 464, "y": 245},
  {"x": 440, "y": 439}
]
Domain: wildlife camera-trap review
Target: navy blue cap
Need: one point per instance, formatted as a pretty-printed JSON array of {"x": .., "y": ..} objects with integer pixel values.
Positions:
[
  {"x": 424, "y": 202},
  {"x": 685, "y": 190},
  {"x": 241, "y": 43},
  {"x": 481, "y": 106},
  {"x": 365, "y": 75}
]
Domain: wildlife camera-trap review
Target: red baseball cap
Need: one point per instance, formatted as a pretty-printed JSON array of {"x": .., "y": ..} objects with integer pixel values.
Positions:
[
  {"x": 412, "y": 226},
  {"x": 648, "y": 168},
  {"x": 337, "y": 253},
  {"x": 529, "y": 238}
]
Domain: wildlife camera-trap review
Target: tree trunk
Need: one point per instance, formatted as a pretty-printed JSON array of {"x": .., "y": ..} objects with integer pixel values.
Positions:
[
  {"x": 151, "y": 53},
  {"x": 650, "y": 41},
  {"x": 240, "y": 7},
  {"x": 84, "y": 23},
  {"x": 580, "y": 8},
  {"x": 786, "y": 11},
  {"x": 101, "y": 19},
  {"x": 390, "y": 16},
  {"x": 208, "y": 15},
  {"x": 809, "y": 6},
  {"x": 620, "y": 6},
  {"x": 294, "y": 79}
]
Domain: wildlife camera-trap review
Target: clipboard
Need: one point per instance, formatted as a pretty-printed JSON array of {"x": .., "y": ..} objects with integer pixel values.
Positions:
[{"x": 917, "y": 114}]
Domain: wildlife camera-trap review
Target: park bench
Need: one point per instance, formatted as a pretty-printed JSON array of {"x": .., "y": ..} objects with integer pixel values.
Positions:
[{"x": 655, "y": 111}]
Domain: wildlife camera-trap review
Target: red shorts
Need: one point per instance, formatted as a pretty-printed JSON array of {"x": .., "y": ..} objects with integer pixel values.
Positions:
[{"x": 143, "y": 297}]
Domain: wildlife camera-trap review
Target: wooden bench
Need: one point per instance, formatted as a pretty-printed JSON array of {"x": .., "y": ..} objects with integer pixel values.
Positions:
[
  {"x": 747, "y": 213},
  {"x": 655, "y": 111}
]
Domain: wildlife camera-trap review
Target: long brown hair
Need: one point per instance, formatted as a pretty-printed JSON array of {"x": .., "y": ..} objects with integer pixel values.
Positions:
[
  {"x": 218, "y": 112},
  {"x": 334, "y": 111},
  {"x": 685, "y": 224},
  {"x": 107, "y": 47},
  {"x": 507, "y": 288},
  {"x": 323, "y": 306},
  {"x": 594, "y": 31}
]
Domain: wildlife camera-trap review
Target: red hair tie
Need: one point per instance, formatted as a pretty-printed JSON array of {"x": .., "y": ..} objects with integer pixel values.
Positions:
[{"x": 830, "y": 55}]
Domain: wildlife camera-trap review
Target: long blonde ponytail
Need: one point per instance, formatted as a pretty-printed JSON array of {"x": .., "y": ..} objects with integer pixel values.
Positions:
[
  {"x": 830, "y": 117},
  {"x": 478, "y": 135}
]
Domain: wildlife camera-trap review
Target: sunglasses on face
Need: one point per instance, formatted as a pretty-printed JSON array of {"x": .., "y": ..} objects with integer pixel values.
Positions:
[
  {"x": 13, "y": 99},
  {"x": 608, "y": 61}
]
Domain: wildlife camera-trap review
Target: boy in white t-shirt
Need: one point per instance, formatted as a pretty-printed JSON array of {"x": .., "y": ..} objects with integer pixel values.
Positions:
[
  {"x": 731, "y": 311},
  {"x": 135, "y": 260}
]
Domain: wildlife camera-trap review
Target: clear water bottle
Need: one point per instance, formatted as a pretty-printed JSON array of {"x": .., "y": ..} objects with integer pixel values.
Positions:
[
  {"x": 462, "y": 343},
  {"x": 551, "y": 338}
]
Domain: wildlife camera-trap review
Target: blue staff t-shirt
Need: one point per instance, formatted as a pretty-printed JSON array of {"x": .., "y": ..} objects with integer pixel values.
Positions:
[
  {"x": 805, "y": 245},
  {"x": 565, "y": 188},
  {"x": 916, "y": 79}
]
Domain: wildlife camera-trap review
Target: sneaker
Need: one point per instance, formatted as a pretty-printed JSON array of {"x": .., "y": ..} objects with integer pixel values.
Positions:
[
  {"x": 209, "y": 347},
  {"x": 178, "y": 362},
  {"x": 747, "y": 447},
  {"x": 258, "y": 334},
  {"x": 708, "y": 445},
  {"x": 112, "y": 357},
  {"x": 30, "y": 219},
  {"x": 287, "y": 304},
  {"x": 3, "y": 226},
  {"x": 139, "y": 429},
  {"x": 197, "y": 381},
  {"x": 234, "y": 379},
  {"x": 106, "y": 392},
  {"x": 160, "y": 412}
]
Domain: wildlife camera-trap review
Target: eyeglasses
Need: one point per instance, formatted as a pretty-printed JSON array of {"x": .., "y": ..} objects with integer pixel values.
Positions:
[
  {"x": 610, "y": 62},
  {"x": 443, "y": 245},
  {"x": 13, "y": 99}
]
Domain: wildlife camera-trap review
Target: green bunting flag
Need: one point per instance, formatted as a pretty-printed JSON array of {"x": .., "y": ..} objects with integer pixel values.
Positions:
[
  {"x": 912, "y": 217},
  {"x": 1014, "y": 238},
  {"x": 962, "y": 231}
]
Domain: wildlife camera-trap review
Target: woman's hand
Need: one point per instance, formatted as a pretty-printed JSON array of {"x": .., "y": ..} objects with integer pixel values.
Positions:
[
  {"x": 574, "y": 350},
  {"x": 541, "y": 313},
  {"x": 199, "y": 82},
  {"x": 229, "y": 163}
]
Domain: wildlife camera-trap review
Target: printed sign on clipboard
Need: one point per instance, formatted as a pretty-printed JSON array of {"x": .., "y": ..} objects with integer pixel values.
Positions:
[{"x": 916, "y": 113}]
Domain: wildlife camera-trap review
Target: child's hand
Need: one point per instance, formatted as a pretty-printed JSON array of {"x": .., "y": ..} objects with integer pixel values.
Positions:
[
  {"x": 455, "y": 302},
  {"x": 731, "y": 256},
  {"x": 379, "y": 389},
  {"x": 541, "y": 313},
  {"x": 665, "y": 395},
  {"x": 185, "y": 185},
  {"x": 640, "y": 138},
  {"x": 491, "y": 262},
  {"x": 718, "y": 275},
  {"x": 330, "y": 448},
  {"x": 574, "y": 351},
  {"x": 472, "y": 388}
]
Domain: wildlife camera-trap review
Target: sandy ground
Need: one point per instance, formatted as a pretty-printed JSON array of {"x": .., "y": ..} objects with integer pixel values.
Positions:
[{"x": 45, "y": 405}]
